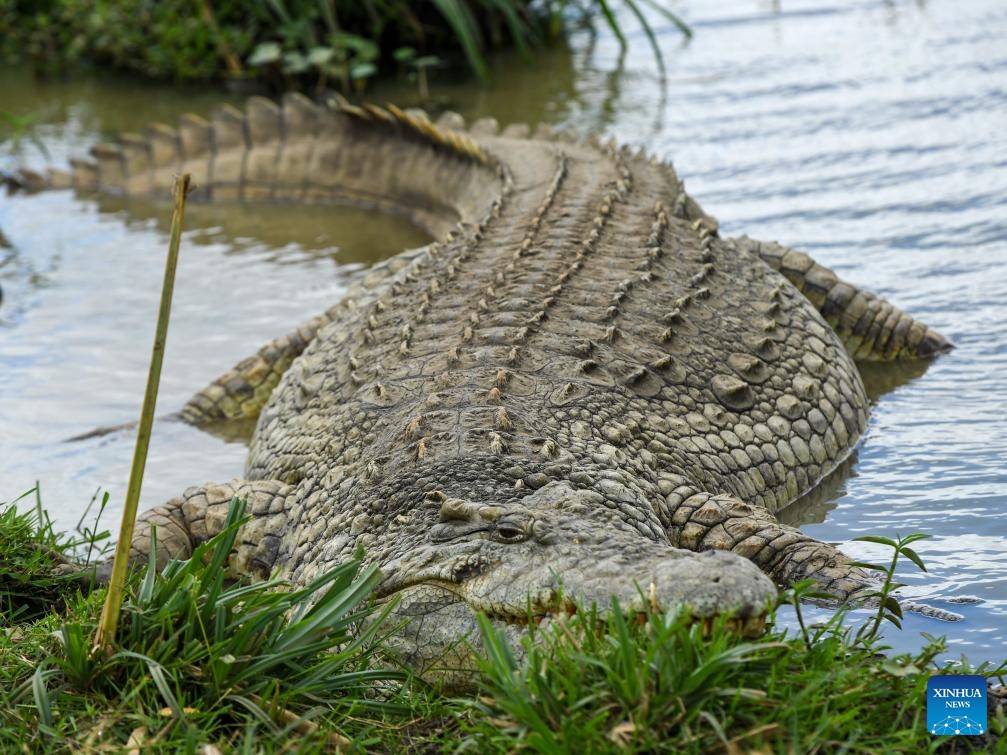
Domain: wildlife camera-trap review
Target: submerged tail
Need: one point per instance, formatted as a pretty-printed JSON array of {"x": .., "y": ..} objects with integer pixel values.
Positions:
[
  {"x": 871, "y": 328},
  {"x": 390, "y": 159}
]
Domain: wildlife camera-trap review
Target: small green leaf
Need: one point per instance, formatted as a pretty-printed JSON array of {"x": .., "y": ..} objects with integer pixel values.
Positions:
[
  {"x": 362, "y": 70},
  {"x": 319, "y": 56},
  {"x": 404, "y": 54},
  {"x": 267, "y": 52},
  {"x": 895, "y": 668},
  {"x": 295, "y": 62},
  {"x": 363, "y": 47},
  {"x": 914, "y": 557},
  {"x": 893, "y": 606},
  {"x": 875, "y": 539}
]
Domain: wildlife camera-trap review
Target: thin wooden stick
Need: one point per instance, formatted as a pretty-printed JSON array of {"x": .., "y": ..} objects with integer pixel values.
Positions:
[{"x": 104, "y": 639}]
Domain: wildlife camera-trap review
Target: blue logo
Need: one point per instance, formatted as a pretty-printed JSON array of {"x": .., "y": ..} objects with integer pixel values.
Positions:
[{"x": 956, "y": 704}]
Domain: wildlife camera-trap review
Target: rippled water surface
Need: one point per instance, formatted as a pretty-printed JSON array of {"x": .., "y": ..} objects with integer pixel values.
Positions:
[{"x": 870, "y": 134}]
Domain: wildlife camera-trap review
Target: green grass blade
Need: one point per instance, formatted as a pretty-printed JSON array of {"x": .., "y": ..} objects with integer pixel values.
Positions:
[
  {"x": 158, "y": 676},
  {"x": 613, "y": 23},
  {"x": 465, "y": 28},
  {"x": 40, "y": 693},
  {"x": 498, "y": 652},
  {"x": 628, "y": 677},
  {"x": 521, "y": 33},
  {"x": 328, "y": 13},
  {"x": 255, "y": 710},
  {"x": 649, "y": 31}
]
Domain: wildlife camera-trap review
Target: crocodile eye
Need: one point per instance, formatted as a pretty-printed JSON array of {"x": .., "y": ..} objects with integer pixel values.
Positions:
[{"x": 510, "y": 532}]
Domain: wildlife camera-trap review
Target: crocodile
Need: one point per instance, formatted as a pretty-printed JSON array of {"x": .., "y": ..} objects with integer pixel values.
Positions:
[{"x": 579, "y": 391}]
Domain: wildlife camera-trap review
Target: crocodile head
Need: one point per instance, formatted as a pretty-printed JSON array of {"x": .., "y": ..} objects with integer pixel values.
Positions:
[{"x": 538, "y": 556}]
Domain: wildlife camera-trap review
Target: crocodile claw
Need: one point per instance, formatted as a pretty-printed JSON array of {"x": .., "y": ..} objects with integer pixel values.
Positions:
[
  {"x": 941, "y": 614},
  {"x": 864, "y": 599},
  {"x": 931, "y": 612}
]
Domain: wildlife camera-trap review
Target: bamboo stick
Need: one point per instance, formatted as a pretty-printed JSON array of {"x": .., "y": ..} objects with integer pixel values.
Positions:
[{"x": 104, "y": 639}]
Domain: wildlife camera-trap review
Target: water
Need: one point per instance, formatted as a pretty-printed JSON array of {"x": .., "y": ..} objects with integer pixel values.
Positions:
[{"x": 869, "y": 134}]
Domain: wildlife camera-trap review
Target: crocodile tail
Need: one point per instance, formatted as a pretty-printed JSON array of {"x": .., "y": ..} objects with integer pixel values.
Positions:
[
  {"x": 296, "y": 151},
  {"x": 871, "y": 328}
]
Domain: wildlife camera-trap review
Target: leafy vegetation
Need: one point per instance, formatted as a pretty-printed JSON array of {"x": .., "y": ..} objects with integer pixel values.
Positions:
[
  {"x": 290, "y": 43},
  {"x": 248, "y": 668},
  {"x": 199, "y": 659},
  {"x": 32, "y": 557},
  {"x": 664, "y": 684}
]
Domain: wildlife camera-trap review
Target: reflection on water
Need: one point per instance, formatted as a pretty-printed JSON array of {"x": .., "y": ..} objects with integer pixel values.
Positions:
[
  {"x": 869, "y": 134},
  {"x": 880, "y": 378},
  {"x": 815, "y": 505},
  {"x": 346, "y": 235}
]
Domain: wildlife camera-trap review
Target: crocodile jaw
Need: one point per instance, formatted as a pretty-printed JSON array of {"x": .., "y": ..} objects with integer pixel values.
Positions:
[{"x": 438, "y": 633}]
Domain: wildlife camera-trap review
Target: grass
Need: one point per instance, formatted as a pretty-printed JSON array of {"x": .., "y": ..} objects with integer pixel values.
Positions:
[
  {"x": 31, "y": 554},
  {"x": 204, "y": 664}
]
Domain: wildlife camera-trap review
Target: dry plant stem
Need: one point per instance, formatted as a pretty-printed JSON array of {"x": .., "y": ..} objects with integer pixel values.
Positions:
[{"x": 105, "y": 636}]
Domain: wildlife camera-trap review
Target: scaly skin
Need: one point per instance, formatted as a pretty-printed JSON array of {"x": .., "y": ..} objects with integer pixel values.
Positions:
[{"x": 581, "y": 390}]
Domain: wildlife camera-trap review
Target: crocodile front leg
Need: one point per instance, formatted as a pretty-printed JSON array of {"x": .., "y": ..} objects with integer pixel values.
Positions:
[
  {"x": 200, "y": 512},
  {"x": 705, "y": 521}
]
